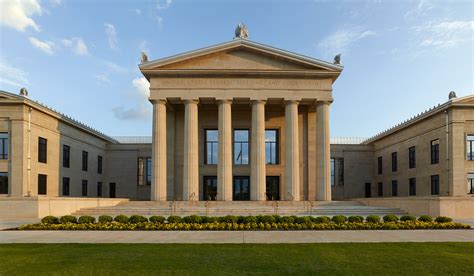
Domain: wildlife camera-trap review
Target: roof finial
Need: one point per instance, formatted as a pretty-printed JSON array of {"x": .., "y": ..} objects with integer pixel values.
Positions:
[
  {"x": 452, "y": 95},
  {"x": 337, "y": 59},
  {"x": 23, "y": 92},
  {"x": 144, "y": 57},
  {"x": 241, "y": 31}
]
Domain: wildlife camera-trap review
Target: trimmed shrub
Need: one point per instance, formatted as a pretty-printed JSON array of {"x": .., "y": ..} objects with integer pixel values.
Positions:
[
  {"x": 50, "y": 220},
  {"x": 425, "y": 218},
  {"x": 303, "y": 220},
  {"x": 228, "y": 219},
  {"x": 390, "y": 218},
  {"x": 68, "y": 219},
  {"x": 339, "y": 219},
  {"x": 86, "y": 219},
  {"x": 137, "y": 219},
  {"x": 407, "y": 218},
  {"x": 205, "y": 219},
  {"x": 157, "y": 219},
  {"x": 249, "y": 219},
  {"x": 358, "y": 219},
  {"x": 105, "y": 219},
  {"x": 266, "y": 219},
  {"x": 121, "y": 219},
  {"x": 322, "y": 219},
  {"x": 174, "y": 219},
  {"x": 192, "y": 219},
  {"x": 443, "y": 219},
  {"x": 373, "y": 219},
  {"x": 287, "y": 219}
]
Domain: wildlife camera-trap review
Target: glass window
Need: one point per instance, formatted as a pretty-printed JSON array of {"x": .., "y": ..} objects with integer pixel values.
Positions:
[
  {"x": 209, "y": 191},
  {"x": 99, "y": 164},
  {"x": 65, "y": 186},
  {"x": 333, "y": 172},
  {"x": 85, "y": 157},
  {"x": 394, "y": 188},
  {"x": 241, "y": 188},
  {"x": 412, "y": 186},
  {"x": 379, "y": 165},
  {"x": 412, "y": 157},
  {"x": 435, "y": 151},
  {"x": 42, "y": 184},
  {"x": 3, "y": 145},
  {"x": 435, "y": 185},
  {"x": 470, "y": 183},
  {"x": 66, "y": 156},
  {"x": 148, "y": 171},
  {"x": 394, "y": 162},
  {"x": 212, "y": 140},
  {"x": 3, "y": 183},
  {"x": 141, "y": 171},
  {"x": 470, "y": 147},
  {"x": 99, "y": 189},
  {"x": 84, "y": 187},
  {"x": 42, "y": 150},
  {"x": 241, "y": 147},
  {"x": 271, "y": 146},
  {"x": 380, "y": 189},
  {"x": 273, "y": 187}
]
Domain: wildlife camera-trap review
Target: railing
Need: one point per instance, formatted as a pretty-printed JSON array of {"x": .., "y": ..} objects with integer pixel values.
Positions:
[
  {"x": 347, "y": 140},
  {"x": 133, "y": 139}
]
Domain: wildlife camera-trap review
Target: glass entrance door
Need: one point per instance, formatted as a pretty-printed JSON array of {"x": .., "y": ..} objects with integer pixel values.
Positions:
[
  {"x": 273, "y": 188},
  {"x": 241, "y": 187},
  {"x": 209, "y": 189}
]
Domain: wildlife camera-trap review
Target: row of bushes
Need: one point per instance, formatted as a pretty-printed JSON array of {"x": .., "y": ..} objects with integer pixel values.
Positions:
[{"x": 237, "y": 219}]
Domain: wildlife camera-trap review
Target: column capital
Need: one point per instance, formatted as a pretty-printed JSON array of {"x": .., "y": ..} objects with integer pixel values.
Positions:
[
  {"x": 191, "y": 101},
  {"x": 323, "y": 102},
  {"x": 285, "y": 101},
  {"x": 223, "y": 101},
  {"x": 258, "y": 101},
  {"x": 158, "y": 101}
]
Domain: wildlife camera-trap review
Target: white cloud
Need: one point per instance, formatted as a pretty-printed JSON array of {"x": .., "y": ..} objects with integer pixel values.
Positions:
[
  {"x": 141, "y": 110},
  {"x": 12, "y": 76},
  {"x": 56, "y": 2},
  {"x": 142, "y": 86},
  {"x": 18, "y": 14},
  {"x": 114, "y": 67},
  {"x": 343, "y": 39},
  {"x": 133, "y": 113},
  {"x": 143, "y": 46},
  {"x": 445, "y": 34},
  {"x": 103, "y": 79},
  {"x": 159, "y": 20},
  {"x": 420, "y": 9},
  {"x": 45, "y": 46},
  {"x": 163, "y": 4},
  {"x": 77, "y": 45},
  {"x": 111, "y": 34}
]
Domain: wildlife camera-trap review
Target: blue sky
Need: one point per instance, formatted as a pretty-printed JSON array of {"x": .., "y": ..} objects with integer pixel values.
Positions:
[{"x": 80, "y": 57}]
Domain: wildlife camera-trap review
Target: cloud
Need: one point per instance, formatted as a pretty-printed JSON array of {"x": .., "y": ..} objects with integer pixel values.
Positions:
[
  {"x": 343, "y": 39},
  {"x": 77, "y": 45},
  {"x": 421, "y": 9},
  {"x": 12, "y": 76},
  {"x": 56, "y": 2},
  {"x": 141, "y": 109},
  {"x": 45, "y": 46},
  {"x": 163, "y": 4},
  {"x": 111, "y": 34},
  {"x": 142, "y": 86},
  {"x": 114, "y": 67},
  {"x": 143, "y": 46},
  {"x": 445, "y": 34},
  {"x": 159, "y": 20},
  {"x": 18, "y": 14},
  {"x": 103, "y": 79}
]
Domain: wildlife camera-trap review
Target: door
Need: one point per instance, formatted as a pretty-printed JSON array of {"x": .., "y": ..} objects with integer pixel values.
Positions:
[
  {"x": 241, "y": 189},
  {"x": 112, "y": 190},
  {"x": 209, "y": 189},
  {"x": 273, "y": 188},
  {"x": 368, "y": 190}
]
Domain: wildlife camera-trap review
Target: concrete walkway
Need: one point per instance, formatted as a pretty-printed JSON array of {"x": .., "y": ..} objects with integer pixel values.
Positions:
[{"x": 236, "y": 236}]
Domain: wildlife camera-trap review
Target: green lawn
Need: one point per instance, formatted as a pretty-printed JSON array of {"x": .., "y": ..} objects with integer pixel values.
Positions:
[{"x": 211, "y": 259}]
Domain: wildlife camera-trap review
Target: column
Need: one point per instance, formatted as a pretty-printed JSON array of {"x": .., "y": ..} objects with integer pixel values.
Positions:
[
  {"x": 323, "y": 153},
  {"x": 257, "y": 152},
  {"x": 159, "y": 177},
  {"x": 191, "y": 161},
  {"x": 292, "y": 157},
  {"x": 224, "y": 163}
]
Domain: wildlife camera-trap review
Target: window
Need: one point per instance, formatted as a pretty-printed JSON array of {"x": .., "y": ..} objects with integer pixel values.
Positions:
[
  {"x": 42, "y": 184},
  {"x": 99, "y": 164},
  {"x": 66, "y": 156},
  {"x": 380, "y": 189},
  {"x": 112, "y": 190},
  {"x": 394, "y": 162},
  {"x": 333, "y": 172},
  {"x": 3, "y": 183},
  {"x": 271, "y": 147},
  {"x": 141, "y": 171},
  {"x": 435, "y": 185},
  {"x": 42, "y": 150},
  {"x": 84, "y": 187},
  {"x": 3, "y": 145},
  {"x": 99, "y": 189},
  {"x": 379, "y": 165},
  {"x": 340, "y": 171},
  {"x": 470, "y": 183},
  {"x": 209, "y": 189},
  {"x": 368, "y": 190},
  {"x": 470, "y": 147},
  {"x": 394, "y": 188},
  {"x": 148, "y": 171},
  {"x": 435, "y": 151},
  {"x": 212, "y": 140},
  {"x": 241, "y": 147},
  {"x": 412, "y": 186},
  {"x": 65, "y": 186},
  {"x": 85, "y": 156},
  {"x": 241, "y": 188},
  {"x": 412, "y": 157},
  {"x": 273, "y": 187}
]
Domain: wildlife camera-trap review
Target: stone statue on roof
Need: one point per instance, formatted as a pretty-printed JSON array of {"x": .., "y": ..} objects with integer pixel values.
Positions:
[
  {"x": 337, "y": 59},
  {"x": 241, "y": 31},
  {"x": 144, "y": 57}
]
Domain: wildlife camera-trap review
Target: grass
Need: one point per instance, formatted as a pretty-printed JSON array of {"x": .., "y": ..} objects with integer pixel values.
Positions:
[{"x": 211, "y": 259}]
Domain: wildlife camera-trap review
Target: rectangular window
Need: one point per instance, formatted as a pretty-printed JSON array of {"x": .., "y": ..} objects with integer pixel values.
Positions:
[
  {"x": 394, "y": 188},
  {"x": 42, "y": 184},
  {"x": 241, "y": 146},
  {"x": 273, "y": 187},
  {"x": 333, "y": 172},
  {"x": 42, "y": 150},
  {"x": 65, "y": 186},
  {"x": 340, "y": 171},
  {"x": 379, "y": 165},
  {"x": 412, "y": 157},
  {"x": 394, "y": 162},
  {"x": 141, "y": 171},
  {"x": 3, "y": 145},
  {"x": 66, "y": 156},
  {"x": 99, "y": 189},
  {"x": 271, "y": 147},
  {"x": 209, "y": 189},
  {"x": 99, "y": 164},
  {"x": 84, "y": 187},
  {"x": 148, "y": 171},
  {"x": 380, "y": 189},
  {"x": 435, "y": 185},
  {"x": 470, "y": 147},
  {"x": 3, "y": 183},
  {"x": 470, "y": 183},
  {"x": 241, "y": 188},
  {"x": 85, "y": 157},
  {"x": 435, "y": 151},
  {"x": 412, "y": 182},
  {"x": 212, "y": 139}
]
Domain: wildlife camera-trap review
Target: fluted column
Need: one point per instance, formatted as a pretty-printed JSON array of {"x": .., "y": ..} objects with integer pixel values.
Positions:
[
  {"x": 158, "y": 184},
  {"x": 323, "y": 153},
  {"x": 224, "y": 164},
  {"x": 292, "y": 157},
  {"x": 191, "y": 161},
  {"x": 257, "y": 149}
]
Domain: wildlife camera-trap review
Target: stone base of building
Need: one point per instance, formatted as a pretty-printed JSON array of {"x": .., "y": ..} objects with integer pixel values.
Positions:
[
  {"x": 454, "y": 207},
  {"x": 38, "y": 207}
]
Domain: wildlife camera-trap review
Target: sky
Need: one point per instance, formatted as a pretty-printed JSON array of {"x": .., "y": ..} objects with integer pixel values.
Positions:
[{"x": 81, "y": 57}]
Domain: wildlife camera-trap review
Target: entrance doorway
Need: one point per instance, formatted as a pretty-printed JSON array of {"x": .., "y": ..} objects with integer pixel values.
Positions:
[
  {"x": 368, "y": 190},
  {"x": 209, "y": 188},
  {"x": 112, "y": 190},
  {"x": 273, "y": 188},
  {"x": 241, "y": 189}
]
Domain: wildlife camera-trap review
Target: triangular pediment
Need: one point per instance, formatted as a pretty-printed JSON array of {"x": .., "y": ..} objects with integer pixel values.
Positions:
[{"x": 466, "y": 100}]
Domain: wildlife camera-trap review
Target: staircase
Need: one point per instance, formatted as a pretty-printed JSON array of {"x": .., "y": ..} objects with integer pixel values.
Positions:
[{"x": 240, "y": 208}]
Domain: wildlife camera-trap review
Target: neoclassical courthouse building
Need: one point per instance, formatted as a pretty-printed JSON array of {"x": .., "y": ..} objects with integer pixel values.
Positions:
[{"x": 237, "y": 121}]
